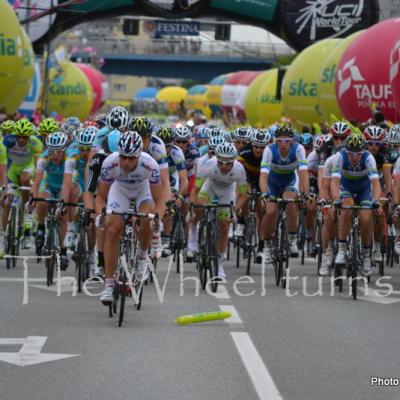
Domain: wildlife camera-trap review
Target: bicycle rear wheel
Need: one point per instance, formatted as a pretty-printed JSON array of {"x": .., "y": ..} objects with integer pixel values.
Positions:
[
  {"x": 284, "y": 254},
  {"x": 11, "y": 233},
  {"x": 355, "y": 257},
  {"x": 212, "y": 259},
  {"x": 250, "y": 241},
  {"x": 122, "y": 288},
  {"x": 51, "y": 260}
]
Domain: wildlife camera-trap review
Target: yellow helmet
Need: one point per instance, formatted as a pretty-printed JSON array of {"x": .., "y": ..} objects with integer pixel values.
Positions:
[{"x": 23, "y": 127}]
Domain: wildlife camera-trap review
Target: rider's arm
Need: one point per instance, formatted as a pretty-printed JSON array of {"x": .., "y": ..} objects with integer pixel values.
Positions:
[
  {"x": 67, "y": 178},
  {"x": 303, "y": 170},
  {"x": 335, "y": 188},
  {"x": 158, "y": 197},
  {"x": 183, "y": 182},
  {"x": 387, "y": 176},
  {"x": 373, "y": 177},
  {"x": 265, "y": 170},
  {"x": 37, "y": 148},
  {"x": 36, "y": 183},
  {"x": 195, "y": 191},
  {"x": 102, "y": 193},
  {"x": 3, "y": 165}
]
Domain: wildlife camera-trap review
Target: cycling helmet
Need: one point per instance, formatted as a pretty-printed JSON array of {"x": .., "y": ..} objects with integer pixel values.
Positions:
[
  {"x": 166, "y": 134},
  {"x": 190, "y": 124},
  {"x": 73, "y": 121},
  {"x": 243, "y": 134},
  {"x": 393, "y": 136},
  {"x": 354, "y": 142},
  {"x": 226, "y": 152},
  {"x": 142, "y": 125},
  {"x": 117, "y": 118},
  {"x": 85, "y": 137},
  {"x": 272, "y": 130},
  {"x": 318, "y": 142},
  {"x": 57, "y": 141},
  {"x": 214, "y": 142},
  {"x": 23, "y": 127},
  {"x": 284, "y": 130},
  {"x": 227, "y": 136},
  {"x": 182, "y": 133},
  {"x": 48, "y": 125},
  {"x": 306, "y": 139},
  {"x": 110, "y": 143},
  {"x": 130, "y": 144},
  {"x": 201, "y": 133},
  {"x": 340, "y": 129},
  {"x": 375, "y": 133},
  {"x": 7, "y": 126},
  {"x": 260, "y": 137},
  {"x": 215, "y": 132}
]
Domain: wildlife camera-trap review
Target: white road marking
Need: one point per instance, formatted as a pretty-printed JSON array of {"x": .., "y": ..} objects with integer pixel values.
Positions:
[
  {"x": 221, "y": 293},
  {"x": 256, "y": 368},
  {"x": 375, "y": 296},
  {"x": 235, "y": 318},
  {"x": 22, "y": 280},
  {"x": 30, "y": 352}
]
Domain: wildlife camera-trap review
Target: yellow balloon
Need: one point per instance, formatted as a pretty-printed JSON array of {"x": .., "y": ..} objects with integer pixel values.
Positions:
[
  {"x": 214, "y": 90},
  {"x": 172, "y": 95},
  {"x": 326, "y": 89},
  {"x": 196, "y": 99},
  {"x": 70, "y": 93},
  {"x": 300, "y": 98},
  {"x": 11, "y": 51},
  {"x": 268, "y": 106},
  {"x": 251, "y": 99},
  {"x": 24, "y": 81}
]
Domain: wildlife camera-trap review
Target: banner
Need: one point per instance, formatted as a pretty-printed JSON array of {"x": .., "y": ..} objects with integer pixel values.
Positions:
[
  {"x": 177, "y": 28},
  {"x": 260, "y": 9}
]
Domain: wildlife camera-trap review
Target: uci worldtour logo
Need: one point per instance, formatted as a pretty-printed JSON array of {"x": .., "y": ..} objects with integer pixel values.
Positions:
[
  {"x": 350, "y": 77},
  {"x": 339, "y": 16}
]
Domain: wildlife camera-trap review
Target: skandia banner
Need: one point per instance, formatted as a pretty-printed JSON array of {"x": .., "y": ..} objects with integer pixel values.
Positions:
[
  {"x": 363, "y": 74},
  {"x": 177, "y": 28},
  {"x": 306, "y": 21},
  {"x": 30, "y": 102}
]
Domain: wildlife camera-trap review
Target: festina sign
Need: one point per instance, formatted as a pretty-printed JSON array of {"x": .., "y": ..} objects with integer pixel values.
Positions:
[
  {"x": 307, "y": 21},
  {"x": 177, "y": 28}
]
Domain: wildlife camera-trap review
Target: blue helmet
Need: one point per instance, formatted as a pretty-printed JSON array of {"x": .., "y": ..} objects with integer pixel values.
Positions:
[{"x": 306, "y": 139}]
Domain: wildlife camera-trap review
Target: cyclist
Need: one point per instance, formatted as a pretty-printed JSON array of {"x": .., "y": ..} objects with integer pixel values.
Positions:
[
  {"x": 178, "y": 176},
  {"x": 74, "y": 185},
  {"x": 47, "y": 126},
  {"x": 203, "y": 166},
  {"x": 7, "y": 127},
  {"x": 48, "y": 182},
  {"x": 375, "y": 137},
  {"x": 128, "y": 175},
  {"x": 241, "y": 137},
  {"x": 23, "y": 150},
  {"x": 307, "y": 141},
  {"x": 279, "y": 164},
  {"x": 355, "y": 180},
  {"x": 218, "y": 183},
  {"x": 250, "y": 157}
]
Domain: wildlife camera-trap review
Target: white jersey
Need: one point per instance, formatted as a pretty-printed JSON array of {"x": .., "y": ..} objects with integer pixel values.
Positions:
[
  {"x": 204, "y": 164},
  {"x": 330, "y": 162},
  {"x": 220, "y": 184},
  {"x": 396, "y": 168},
  {"x": 312, "y": 164},
  {"x": 157, "y": 150},
  {"x": 147, "y": 171}
]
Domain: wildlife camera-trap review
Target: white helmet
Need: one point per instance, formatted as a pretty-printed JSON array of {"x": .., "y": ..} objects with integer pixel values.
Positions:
[
  {"x": 130, "y": 144},
  {"x": 117, "y": 118},
  {"x": 85, "y": 137},
  {"x": 57, "y": 141},
  {"x": 393, "y": 136},
  {"x": 182, "y": 133},
  {"x": 226, "y": 151}
]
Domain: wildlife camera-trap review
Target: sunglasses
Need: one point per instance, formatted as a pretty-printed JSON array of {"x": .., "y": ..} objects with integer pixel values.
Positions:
[
  {"x": 126, "y": 157},
  {"x": 181, "y": 141},
  {"x": 256, "y": 146},
  {"x": 225, "y": 162},
  {"x": 284, "y": 140},
  {"x": 373, "y": 143},
  {"x": 85, "y": 148},
  {"x": 338, "y": 138},
  {"x": 355, "y": 153},
  {"x": 51, "y": 152}
]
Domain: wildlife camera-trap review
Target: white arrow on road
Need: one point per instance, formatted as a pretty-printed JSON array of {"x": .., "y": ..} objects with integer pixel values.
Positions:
[
  {"x": 30, "y": 353},
  {"x": 379, "y": 296}
]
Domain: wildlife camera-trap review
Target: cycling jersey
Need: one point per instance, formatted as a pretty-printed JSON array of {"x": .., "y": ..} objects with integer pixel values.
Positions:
[
  {"x": 176, "y": 163},
  {"x": 329, "y": 165},
  {"x": 355, "y": 180},
  {"x": 101, "y": 134},
  {"x": 312, "y": 164},
  {"x": 217, "y": 186},
  {"x": 251, "y": 164},
  {"x": 204, "y": 164},
  {"x": 94, "y": 171},
  {"x": 327, "y": 149},
  {"x": 53, "y": 174},
  {"x": 282, "y": 171},
  {"x": 192, "y": 155},
  {"x": 134, "y": 185},
  {"x": 22, "y": 155},
  {"x": 76, "y": 163},
  {"x": 157, "y": 150},
  {"x": 382, "y": 158},
  {"x": 3, "y": 154}
]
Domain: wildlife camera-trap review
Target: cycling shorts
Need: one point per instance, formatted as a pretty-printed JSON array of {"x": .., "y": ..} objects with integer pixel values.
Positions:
[
  {"x": 362, "y": 194},
  {"x": 207, "y": 192},
  {"x": 284, "y": 183},
  {"x": 120, "y": 196}
]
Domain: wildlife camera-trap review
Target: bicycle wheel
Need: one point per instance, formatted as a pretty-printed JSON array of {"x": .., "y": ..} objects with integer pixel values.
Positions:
[
  {"x": 250, "y": 241},
  {"x": 122, "y": 289},
  {"x": 81, "y": 253},
  {"x": 201, "y": 259},
  {"x": 318, "y": 245},
  {"x": 10, "y": 237},
  {"x": 284, "y": 253},
  {"x": 276, "y": 256},
  {"x": 238, "y": 244},
  {"x": 212, "y": 258},
  {"x": 355, "y": 257}
]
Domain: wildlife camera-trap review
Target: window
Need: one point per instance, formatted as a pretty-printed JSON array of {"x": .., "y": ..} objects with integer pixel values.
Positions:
[{"x": 120, "y": 87}]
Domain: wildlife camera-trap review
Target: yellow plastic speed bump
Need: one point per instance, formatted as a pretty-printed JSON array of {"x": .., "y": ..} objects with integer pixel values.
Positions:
[{"x": 202, "y": 317}]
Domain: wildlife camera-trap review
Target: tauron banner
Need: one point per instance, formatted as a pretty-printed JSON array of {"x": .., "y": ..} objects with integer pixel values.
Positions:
[{"x": 304, "y": 22}]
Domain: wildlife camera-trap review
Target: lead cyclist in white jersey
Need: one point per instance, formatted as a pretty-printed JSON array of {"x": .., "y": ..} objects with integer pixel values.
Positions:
[
  {"x": 218, "y": 183},
  {"x": 127, "y": 175}
]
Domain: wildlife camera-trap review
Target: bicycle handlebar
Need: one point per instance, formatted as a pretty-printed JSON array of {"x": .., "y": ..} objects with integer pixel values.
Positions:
[
  {"x": 42, "y": 200},
  {"x": 132, "y": 213}
]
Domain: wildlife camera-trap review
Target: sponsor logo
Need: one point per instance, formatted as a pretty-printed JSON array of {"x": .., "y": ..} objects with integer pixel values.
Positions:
[
  {"x": 328, "y": 74},
  {"x": 339, "y": 16},
  {"x": 302, "y": 88},
  {"x": 350, "y": 77},
  {"x": 394, "y": 61},
  {"x": 10, "y": 46},
  {"x": 267, "y": 98},
  {"x": 62, "y": 90}
]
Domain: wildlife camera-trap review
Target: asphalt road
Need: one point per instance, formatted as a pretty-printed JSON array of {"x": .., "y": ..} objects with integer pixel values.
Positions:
[{"x": 277, "y": 345}]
